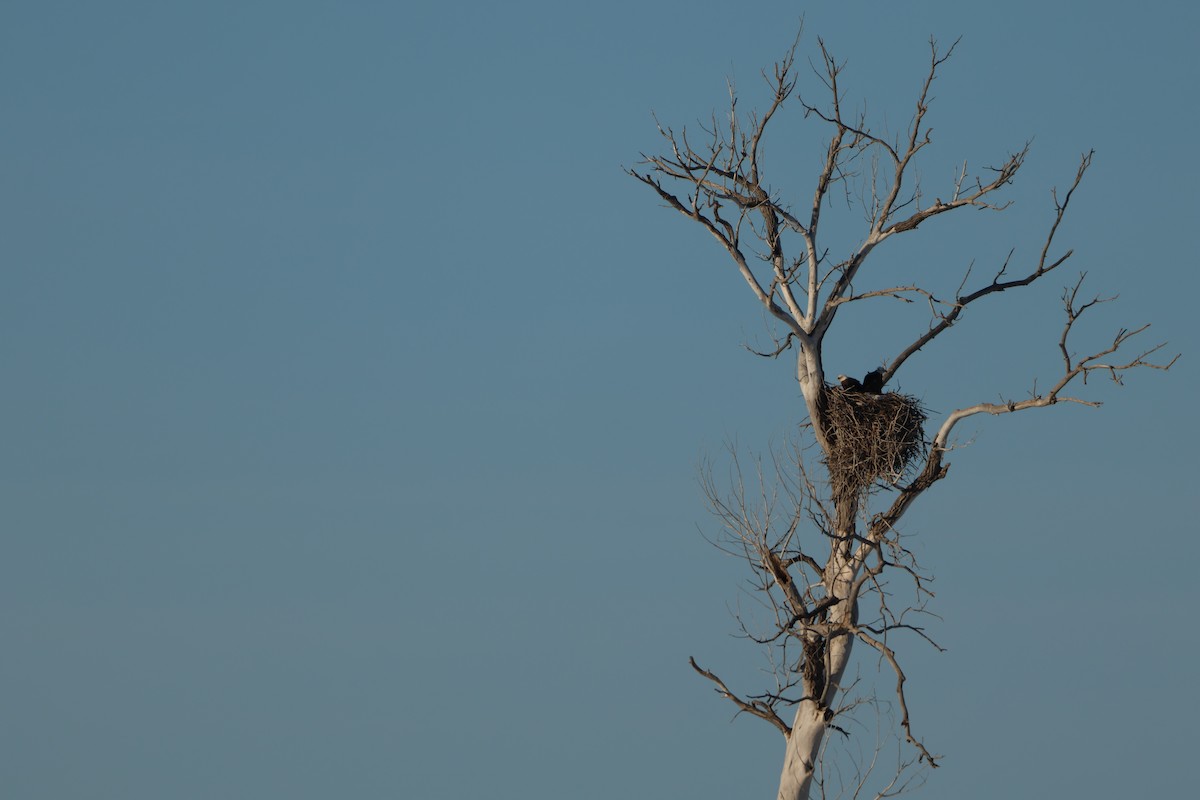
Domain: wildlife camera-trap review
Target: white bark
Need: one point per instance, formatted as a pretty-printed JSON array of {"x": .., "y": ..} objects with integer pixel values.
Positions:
[
  {"x": 810, "y": 373},
  {"x": 812, "y": 714},
  {"x": 809, "y": 726},
  {"x": 800, "y": 756}
]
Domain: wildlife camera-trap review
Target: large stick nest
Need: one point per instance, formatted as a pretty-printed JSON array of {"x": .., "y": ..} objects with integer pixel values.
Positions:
[{"x": 875, "y": 437}]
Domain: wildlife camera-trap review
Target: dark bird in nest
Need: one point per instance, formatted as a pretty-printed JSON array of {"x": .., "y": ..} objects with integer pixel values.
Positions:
[{"x": 872, "y": 382}]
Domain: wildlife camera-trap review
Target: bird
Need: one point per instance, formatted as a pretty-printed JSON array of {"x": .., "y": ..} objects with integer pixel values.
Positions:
[
  {"x": 850, "y": 384},
  {"x": 872, "y": 382}
]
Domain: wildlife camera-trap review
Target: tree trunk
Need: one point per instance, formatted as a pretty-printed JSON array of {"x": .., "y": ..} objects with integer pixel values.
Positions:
[
  {"x": 826, "y": 658},
  {"x": 810, "y": 374},
  {"x": 809, "y": 726},
  {"x": 822, "y": 680},
  {"x": 800, "y": 757}
]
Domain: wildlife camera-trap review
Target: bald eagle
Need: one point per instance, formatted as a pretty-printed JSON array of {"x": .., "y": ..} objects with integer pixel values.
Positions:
[
  {"x": 872, "y": 382},
  {"x": 850, "y": 384}
]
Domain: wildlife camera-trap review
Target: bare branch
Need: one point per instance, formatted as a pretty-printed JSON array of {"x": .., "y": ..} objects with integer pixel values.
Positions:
[
  {"x": 890, "y": 656},
  {"x": 895, "y": 292},
  {"x": 1044, "y": 265},
  {"x": 1072, "y": 368},
  {"x": 785, "y": 344},
  {"x": 758, "y": 708}
]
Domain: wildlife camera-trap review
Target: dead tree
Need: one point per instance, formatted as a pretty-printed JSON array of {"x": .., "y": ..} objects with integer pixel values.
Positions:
[{"x": 816, "y": 587}]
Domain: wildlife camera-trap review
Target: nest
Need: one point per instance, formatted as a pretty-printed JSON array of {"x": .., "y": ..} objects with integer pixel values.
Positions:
[{"x": 875, "y": 437}]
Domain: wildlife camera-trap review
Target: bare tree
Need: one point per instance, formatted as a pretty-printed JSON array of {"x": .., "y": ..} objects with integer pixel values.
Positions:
[{"x": 823, "y": 543}]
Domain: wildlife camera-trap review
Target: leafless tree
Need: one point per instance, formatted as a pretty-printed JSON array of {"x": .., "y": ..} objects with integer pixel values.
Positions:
[{"x": 821, "y": 551}]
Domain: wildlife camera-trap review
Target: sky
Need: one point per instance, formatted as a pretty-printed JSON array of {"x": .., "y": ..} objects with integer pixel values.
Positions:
[{"x": 354, "y": 398}]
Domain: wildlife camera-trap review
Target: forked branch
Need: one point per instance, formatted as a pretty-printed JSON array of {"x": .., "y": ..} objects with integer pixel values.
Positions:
[
  {"x": 758, "y": 708},
  {"x": 890, "y": 656},
  {"x": 1074, "y": 367},
  {"x": 945, "y": 320}
]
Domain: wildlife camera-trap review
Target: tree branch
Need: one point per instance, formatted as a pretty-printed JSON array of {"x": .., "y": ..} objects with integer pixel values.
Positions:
[
  {"x": 1043, "y": 266},
  {"x": 758, "y": 708},
  {"x": 1072, "y": 368},
  {"x": 890, "y": 656}
]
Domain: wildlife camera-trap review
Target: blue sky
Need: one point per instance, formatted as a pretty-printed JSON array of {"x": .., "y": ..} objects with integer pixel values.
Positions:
[{"x": 354, "y": 398}]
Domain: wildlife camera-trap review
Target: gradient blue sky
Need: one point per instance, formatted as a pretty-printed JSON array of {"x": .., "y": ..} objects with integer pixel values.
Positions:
[{"x": 353, "y": 399}]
